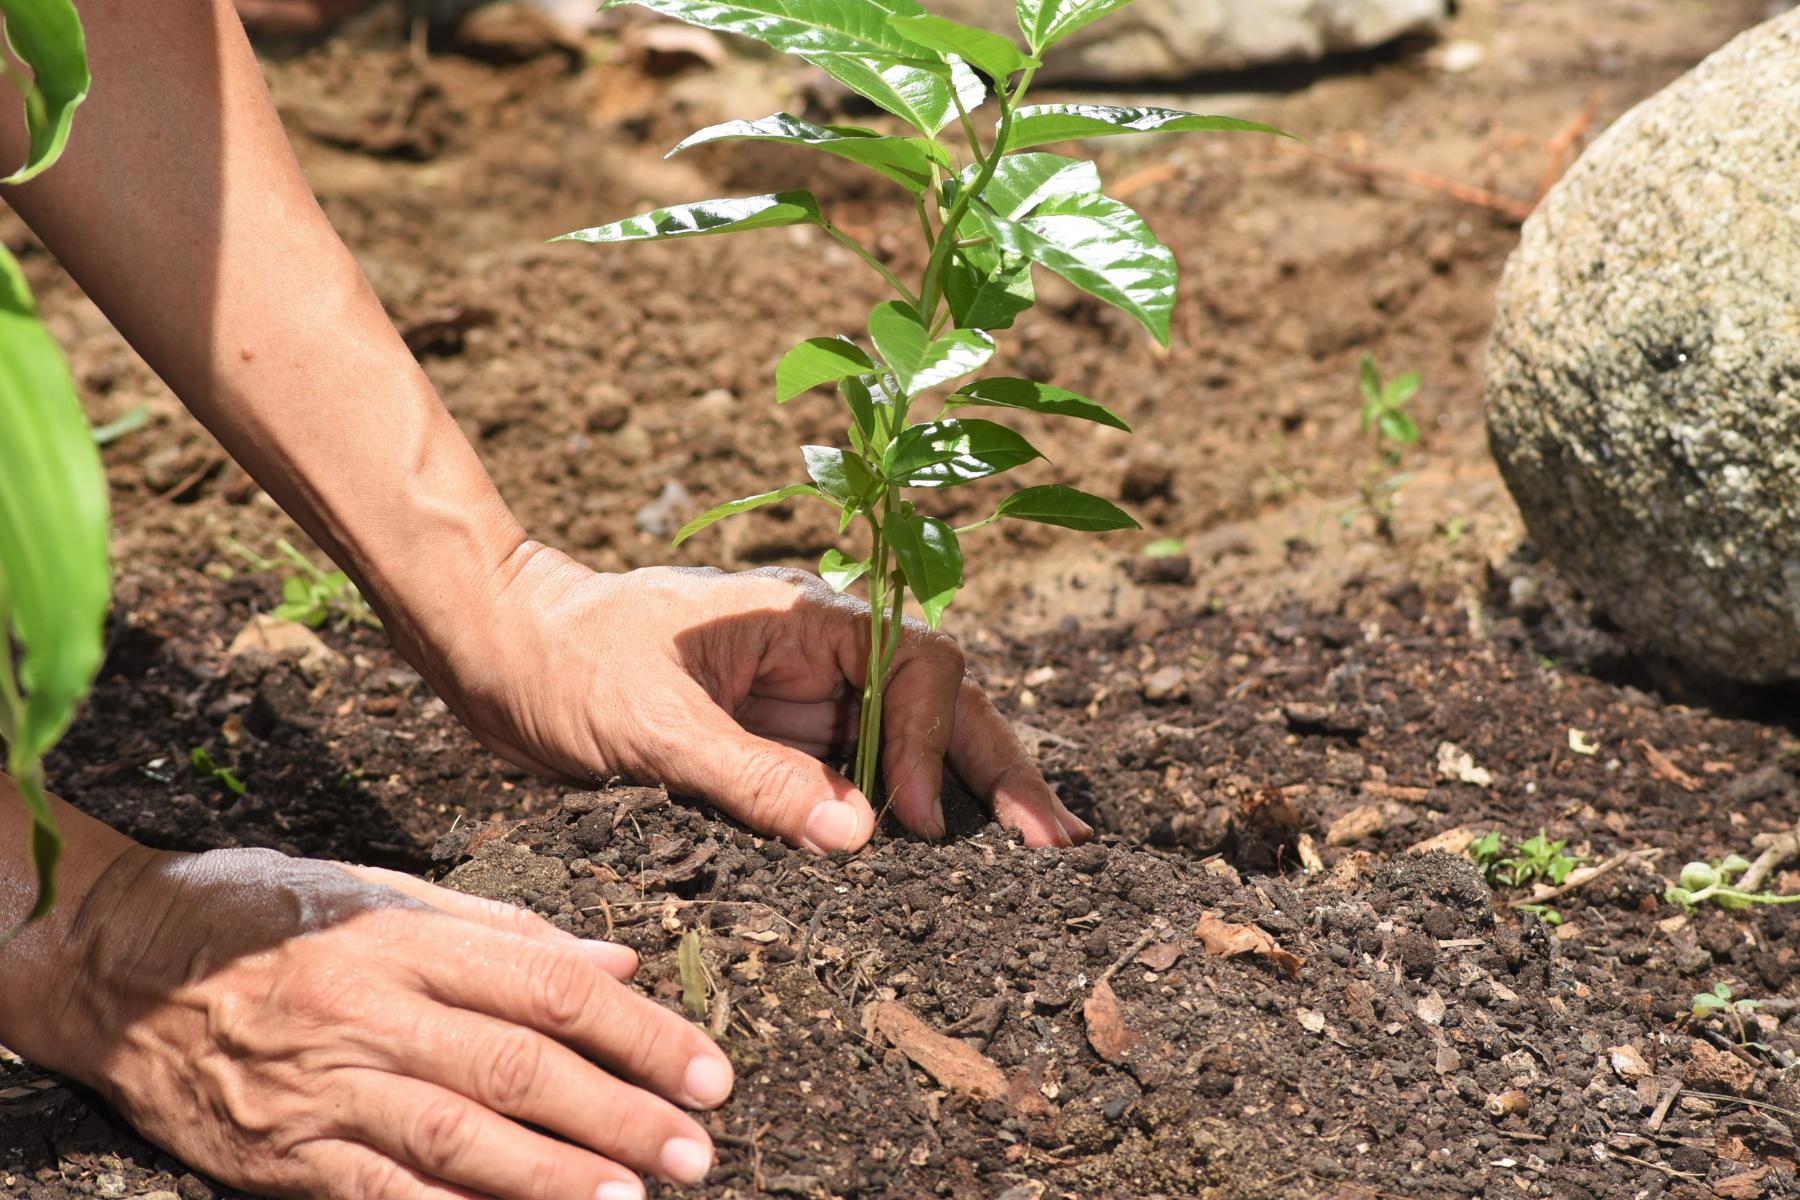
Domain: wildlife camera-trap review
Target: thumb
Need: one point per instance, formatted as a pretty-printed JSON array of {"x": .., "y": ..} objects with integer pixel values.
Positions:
[{"x": 770, "y": 787}]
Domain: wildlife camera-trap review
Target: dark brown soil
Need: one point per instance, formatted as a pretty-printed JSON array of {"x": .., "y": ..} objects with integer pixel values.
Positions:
[{"x": 1204, "y": 739}]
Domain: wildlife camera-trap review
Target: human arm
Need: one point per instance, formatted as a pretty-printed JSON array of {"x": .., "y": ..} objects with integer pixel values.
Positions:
[
  {"x": 299, "y": 1028},
  {"x": 181, "y": 210}
]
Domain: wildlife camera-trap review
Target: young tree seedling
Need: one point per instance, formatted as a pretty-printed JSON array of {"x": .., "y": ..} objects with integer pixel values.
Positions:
[
  {"x": 1701, "y": 883},
  {"x": 1719, "y": 1000},
  {"x": 989, "y": 210},
  {"x": 1384, "y": 411}
]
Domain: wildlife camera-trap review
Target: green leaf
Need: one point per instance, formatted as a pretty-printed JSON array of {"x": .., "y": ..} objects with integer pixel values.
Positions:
[
  {"x": 948, "y": 453},
  {"x": 845, "y": 478},
  {"x": 1368, "y": 378},
  {"x": 802, "y": 26},
  {"x": 986, "y": 289},
  {"x": 1021, "y": 182},
  {"x": 1032, "y": 397},
  {"x": 1055, "y": 504},
  {"x": 840, "y": 570},
  {"x": 980, "y": 49},
  {"x": 1400, "y": 389},
  {"x": 922, "y": 98},
  {"x": 1041, "y": 124},
  {"x": 54, "y": 577},
  {"x": 1165, "y": 548},
  {"x": 858, "y": 392},
  {"x": 917, "y": 361},
  {"x": 1698, "y": 876},
  {"x": 1047, "y": 22},
  {"x": 1396, "y": 426},
  {"x": 738, "y": 506},
  {"x": 46, "y": 35},
  {"x": 906, "y": 161},
  {"x": 931, "y": 558},
  {"x": 816, "y": 361},
  {"x": 134, "y": 419},
  {"x": 707, "y": 217},
  {"x": 1098, "y": 245}
]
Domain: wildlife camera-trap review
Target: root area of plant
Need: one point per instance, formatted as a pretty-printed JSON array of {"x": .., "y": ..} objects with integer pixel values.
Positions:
[{"x": 1179, "y": 1008}]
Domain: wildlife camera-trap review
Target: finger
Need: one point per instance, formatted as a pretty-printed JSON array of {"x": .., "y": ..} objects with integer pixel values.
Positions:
[
  {"x": 918, "y": 720},
  {"x": 344, "y": 1170},
  {"x": 543, "y": 986},
  {"x": 993, "y": 762},
  {"x": 525, "y": 1075},
  {"x": 452, "y": 1138},
  {"x": 775, "y": 789},
  {"x": 831, "y": 723},
  {"x": 621, "y": 962}
]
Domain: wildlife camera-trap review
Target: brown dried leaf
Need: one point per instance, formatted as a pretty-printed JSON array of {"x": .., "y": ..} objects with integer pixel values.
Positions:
[
  {"x": 956, "y": 1065},
  {"x": 1107, "y": 1032},
  {"x": 1161, "y": 956},
  {"x": 1225, "y": 939}
]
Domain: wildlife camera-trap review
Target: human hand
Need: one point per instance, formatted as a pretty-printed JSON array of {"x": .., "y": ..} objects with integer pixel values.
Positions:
[
  {"x": 729, "y": 687},
  {"x": 297, "y": 1028}
]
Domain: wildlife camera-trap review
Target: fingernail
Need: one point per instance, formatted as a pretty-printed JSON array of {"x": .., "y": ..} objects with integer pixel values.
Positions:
[
  {"x": 708, "y": 1081},
  {"x": 685, "y": 1160},
  {"x": 935, "y": 823},
  {"x": 831, "y": 826},
  {"x": 619, "y": 1189}
]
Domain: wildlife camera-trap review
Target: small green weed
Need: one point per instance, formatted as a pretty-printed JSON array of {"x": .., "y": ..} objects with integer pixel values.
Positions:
[
  {"x": 312, "y": 596},
  {"x": 1719, "y": 1000},
  {"x": 1384, "y": 411},
  {"x": 206, "y": 768},
  {"x": 1530, "y": 861},
  {"x": 1702, "y": 882}
]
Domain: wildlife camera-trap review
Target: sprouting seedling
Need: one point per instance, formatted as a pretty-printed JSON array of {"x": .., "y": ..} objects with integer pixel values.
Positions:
[
  {"x": 206, "y": 768},
  {"x": 1531, "y": 860},
  {"x": 693, "y": 974},
  {"x": 1719, "y": 1000},
  {"x": 1701, "y": 882},
  {"x": 988, "y": 214},
  {"x": 313, "y": 595},
  {"x": 1384, "y": 411}
]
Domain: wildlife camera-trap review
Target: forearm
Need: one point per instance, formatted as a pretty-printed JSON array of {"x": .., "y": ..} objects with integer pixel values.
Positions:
[
  {"x": 36, "y": 965},
  {"x": 180, "y": 209}
]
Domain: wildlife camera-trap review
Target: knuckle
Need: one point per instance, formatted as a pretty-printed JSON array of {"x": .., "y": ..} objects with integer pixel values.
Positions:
[
  {"x": 769, "y": 780},
  {"x": 377, "y": 1177},
  {"x": 562, "y": 987},
  {"x": 514, "y": 1066},
  {"x": 438, "y": 1135}
]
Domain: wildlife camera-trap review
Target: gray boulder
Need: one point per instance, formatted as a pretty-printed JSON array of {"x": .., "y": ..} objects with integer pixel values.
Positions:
[
  {"x": 1167, "y": 39},
  {"x": 1643, "y": 395}
]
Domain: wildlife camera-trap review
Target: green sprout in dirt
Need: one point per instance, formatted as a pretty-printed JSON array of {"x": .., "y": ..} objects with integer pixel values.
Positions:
[
  {"x": 1384, "y": 412},
  {"x": 1530, "y": 861},
  {"x": 1719, "y": 1001},
  {"x": 987, "y": 215},
  {"x": 1700, "y": 883},
  {"x": 310, "y": 595},
  {"x": 206, "y": 768}
]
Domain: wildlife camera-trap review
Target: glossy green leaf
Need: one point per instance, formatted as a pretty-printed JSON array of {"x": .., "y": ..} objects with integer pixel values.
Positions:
[
  {"x": 948, "y": 453},
  {"x": 980, "y": 49},
  {"x": 54, "y": 577},
  {"x": 918, "y": 361},
  {"x": 845, "y": 478},
  {"x": 1021, "y": 182},
  {"x": 1033, "y": 397},
  {"x": 46, "y": 36},
  {"x": 1047, "y": 22},
  {"x": 930, "y": 557},
  {"x": 802, "y": 26},
  {"x": 1101, "y": 247},
  {"x": 1055, "y": 504},
  {"x": 840, "y": 570},
  {"x": 738, "y": 506},
  {"x": 858, "y": 392},
  {"x": 906, "y": 161},
  {"x": 707, "y": 217},
  {"x": 816, "y": 361},
  {"x": 922, "y": 98},
  {"x": 986, "y": 289},
  {"x": 1041, "y": 124}
]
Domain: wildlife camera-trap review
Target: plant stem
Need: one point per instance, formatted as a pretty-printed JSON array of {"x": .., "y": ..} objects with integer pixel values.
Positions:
[
  {"x": 886, "y": 274},
  {"x": 868, "y": 752}
]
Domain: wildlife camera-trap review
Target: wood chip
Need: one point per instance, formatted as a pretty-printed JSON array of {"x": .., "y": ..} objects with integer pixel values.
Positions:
[
  {"x": 1663, "y": 769},
  {"x": 1628, "y": 1063},
  {"x": 1355, "y": 825},
  {"x": 1107, "y": 1032},
  {"x": 954, "y": 1064},
  {"x": 1451, "y": 841},
  {"x": 1161, "y": 956},
  {"x": 1225, "y": 939}
]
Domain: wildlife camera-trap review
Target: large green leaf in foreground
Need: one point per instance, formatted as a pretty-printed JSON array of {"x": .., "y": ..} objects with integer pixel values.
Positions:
[
  {"x": 707, "y": 217},
  {"x": 1041, "y": 124},
  {"x": 46, "y": 35},
  {"x": 925, "y": 99},
  {"x": 1046, "y": 22},
  {"x": 1055, "y": 504},
  {"x": 917, "y": 360},
  {"x": 1033, "y": 397},
  {"x": 54, "y": 577},
  {"x": 931, "y": 558},
  {"x": 803, "y": 26},
  {"x": 949, "y": 453},
  {"x": 734, "y": 507}
]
